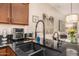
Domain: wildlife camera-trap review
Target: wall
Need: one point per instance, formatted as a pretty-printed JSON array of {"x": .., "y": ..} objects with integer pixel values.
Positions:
[
  {"x": 8, "y": 28},
  {"x": 38, "y": 9}
]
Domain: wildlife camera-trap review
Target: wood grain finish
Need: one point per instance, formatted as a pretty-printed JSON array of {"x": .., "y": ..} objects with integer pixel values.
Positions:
[
  {"x": 20, "y": 13},
  {"x": 4, "y": 12},
  {"x": 10, "y": 52},
  {"x": 3, "y": 52},
  {"x": 14, "y": 13},
  {"x": 7, "y": 51}
]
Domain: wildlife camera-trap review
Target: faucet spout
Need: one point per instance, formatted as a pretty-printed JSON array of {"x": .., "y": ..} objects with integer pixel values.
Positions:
[
  {"x": 59, "y": 42},
  {"x": 43, "y": 30}
]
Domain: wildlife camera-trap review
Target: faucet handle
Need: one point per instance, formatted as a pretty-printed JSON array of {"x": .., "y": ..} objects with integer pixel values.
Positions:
[{"x": 56, "y": 36}]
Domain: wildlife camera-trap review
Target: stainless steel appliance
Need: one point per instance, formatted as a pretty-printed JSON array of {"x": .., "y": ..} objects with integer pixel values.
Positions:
[{"x": 18, "y": 33}]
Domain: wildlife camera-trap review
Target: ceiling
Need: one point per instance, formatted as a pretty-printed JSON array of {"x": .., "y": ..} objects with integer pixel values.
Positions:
[{"x": 65, "y": 8}]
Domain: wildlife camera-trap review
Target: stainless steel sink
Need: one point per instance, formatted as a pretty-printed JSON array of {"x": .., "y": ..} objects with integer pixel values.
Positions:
[
  {"x": 25, "y": 49},
  {"x": 33, "y": 49},
  {"x": 39, "y": 52}
]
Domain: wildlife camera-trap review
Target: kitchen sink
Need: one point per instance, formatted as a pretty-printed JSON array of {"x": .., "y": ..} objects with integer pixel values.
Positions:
[
  {"x": 34, "y": 49},
  {"x": 25, "y": 49}
]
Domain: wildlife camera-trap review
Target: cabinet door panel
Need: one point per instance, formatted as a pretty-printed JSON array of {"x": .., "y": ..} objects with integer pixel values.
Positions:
[
  {"x": 4, "y": 12},
  {"x": 3, "y": 52},
  {"x": 20, "y": 13},
  {"x": 10, "y": 52},
  {"x": 7, "y": 51}
]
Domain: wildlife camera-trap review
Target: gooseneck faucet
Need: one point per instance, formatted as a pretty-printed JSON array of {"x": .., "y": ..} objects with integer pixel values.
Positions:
[
  {"x": 57, "y": 36},
  {"x": 57, "y": 39},
  {"x": 43, "y": 30}
]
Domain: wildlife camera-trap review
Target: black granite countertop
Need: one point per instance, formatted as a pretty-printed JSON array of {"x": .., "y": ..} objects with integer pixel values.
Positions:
[
  {"x": 68, "y": 45},
  {"x": 62, "y": 49},
  {"x": 48, "y": 47}
]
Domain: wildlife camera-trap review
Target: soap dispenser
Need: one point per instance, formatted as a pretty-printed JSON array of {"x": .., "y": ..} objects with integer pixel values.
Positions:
[{"x": 38, "y": 39}]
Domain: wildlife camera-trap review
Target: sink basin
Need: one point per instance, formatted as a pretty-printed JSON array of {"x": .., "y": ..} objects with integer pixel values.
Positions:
[
  {"x": 34, "y": 49},
  {"x": 24, "y": 49}
]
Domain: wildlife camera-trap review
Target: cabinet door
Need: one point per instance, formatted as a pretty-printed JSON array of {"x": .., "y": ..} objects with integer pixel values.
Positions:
[
  {"x": 4, "y": 12},
  {"x": 10, "y": 52},
  {"x": 20, "y": 13},
  {"x": 3, "y": 52}
]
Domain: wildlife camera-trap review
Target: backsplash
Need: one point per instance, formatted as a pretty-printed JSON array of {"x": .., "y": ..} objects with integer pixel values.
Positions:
[{"x": 8, "y": 28}]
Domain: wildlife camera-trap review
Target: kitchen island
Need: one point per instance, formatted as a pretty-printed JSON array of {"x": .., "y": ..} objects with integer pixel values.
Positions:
[
  {"x": 31, "y": 48},
  {"x": 50, "y": 50},
  {"x": 66, "y": 49}
]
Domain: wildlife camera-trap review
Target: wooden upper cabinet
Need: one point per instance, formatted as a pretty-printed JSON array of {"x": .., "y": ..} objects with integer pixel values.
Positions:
[
  {"x": 4, "y": 12},
  {"x": 20, "y": 12},
  {"x": 16, "y": 13}
]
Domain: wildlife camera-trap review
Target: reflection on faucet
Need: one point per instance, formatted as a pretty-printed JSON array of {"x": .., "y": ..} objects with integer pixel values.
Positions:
[
  {"x": 43, "y": 30},
  {"x": 56, "y": 37}
]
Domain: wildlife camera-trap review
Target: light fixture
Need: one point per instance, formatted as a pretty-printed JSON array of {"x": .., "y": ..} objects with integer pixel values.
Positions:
[{"x": 72, "y": 18}]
